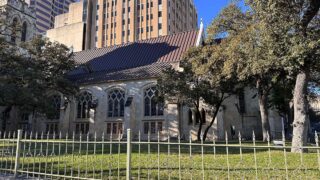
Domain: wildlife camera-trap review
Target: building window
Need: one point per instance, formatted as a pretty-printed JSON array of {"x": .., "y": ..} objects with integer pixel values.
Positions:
[
  {"x": 82, "y": 128},
  {"x": 203, "y": 116},
  {"x": 84, "y": 101},
  {"x": 152, "y": 107},
  {"x": 55, "y": 107},
  {"x": 153, "y": 127},
  {"x": 115, "y": 128},
  {"x": 24, "y": 32},
  {"x": 197, "y": 117},
  {"x": 116, "y": 101},
  {"x": 190, "y": 120},
  {"x": 14, "y": 29}
]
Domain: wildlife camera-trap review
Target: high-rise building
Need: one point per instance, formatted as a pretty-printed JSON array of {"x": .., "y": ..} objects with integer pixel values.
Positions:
[
  {"x": 46, "y": 10},
  {"x": 76, "y": 28},
  {"x": 121, "y": 21}
]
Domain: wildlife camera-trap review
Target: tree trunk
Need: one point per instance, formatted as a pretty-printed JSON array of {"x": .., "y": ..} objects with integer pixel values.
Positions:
[
  {"x": 211, "y": 123},
  {"x": 199, "y": 118},
  {"x": 301, "y": 120},
  {"x": 263, "y": 105}
]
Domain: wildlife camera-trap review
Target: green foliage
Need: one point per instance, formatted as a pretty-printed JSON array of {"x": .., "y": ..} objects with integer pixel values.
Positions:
[
  {"x": 280, "y": 97},
  {"x": 200, "y": 80},
  {"x": 29, "y": 73},
  {"x": 271, "y": 42}
]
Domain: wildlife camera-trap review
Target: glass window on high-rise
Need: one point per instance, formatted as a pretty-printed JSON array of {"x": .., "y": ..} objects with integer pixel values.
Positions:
[{"x": 46, "y": 10}]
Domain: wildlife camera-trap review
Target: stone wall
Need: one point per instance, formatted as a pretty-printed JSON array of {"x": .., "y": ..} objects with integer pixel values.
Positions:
[
  {"x": 175, "y": 118},
  {"x": 17, "y": 10}
]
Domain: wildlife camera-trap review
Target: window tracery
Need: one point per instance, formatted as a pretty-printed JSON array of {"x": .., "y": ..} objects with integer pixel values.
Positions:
[
  {"x": 116, "y": 101},
  {"x": 84, "y": 102},
  {"x": 152, "y": 107}
]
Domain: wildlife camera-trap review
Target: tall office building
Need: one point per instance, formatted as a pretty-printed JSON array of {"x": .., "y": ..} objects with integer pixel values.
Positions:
[
  {"x": 46, "y": 10},
  {"x": 121, "y": 21}
]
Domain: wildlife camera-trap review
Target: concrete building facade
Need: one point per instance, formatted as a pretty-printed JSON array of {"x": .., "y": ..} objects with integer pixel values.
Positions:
[
  {"x": 74, "y": 29},
  {"x": 18, "y": 21},
  {"x": 122, "y": 21},
  {"x": 46, "y": 10}
]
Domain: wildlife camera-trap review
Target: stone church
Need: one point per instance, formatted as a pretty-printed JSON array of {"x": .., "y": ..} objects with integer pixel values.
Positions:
[
  {"x": 18, "y": 21},
  {"x": 118, "y": 88}
]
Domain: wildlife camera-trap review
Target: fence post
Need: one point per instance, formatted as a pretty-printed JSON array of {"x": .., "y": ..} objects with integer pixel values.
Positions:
[
  {"x": 128, "y": 165},
  {"x": 18, "y": 146}
]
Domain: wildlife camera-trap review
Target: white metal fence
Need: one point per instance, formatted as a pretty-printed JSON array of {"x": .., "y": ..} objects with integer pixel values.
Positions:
[{"x": 83, "y": 157}]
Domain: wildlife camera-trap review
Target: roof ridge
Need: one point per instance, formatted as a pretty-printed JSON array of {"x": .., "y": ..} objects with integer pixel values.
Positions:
[{"x": 139, "y": 41}]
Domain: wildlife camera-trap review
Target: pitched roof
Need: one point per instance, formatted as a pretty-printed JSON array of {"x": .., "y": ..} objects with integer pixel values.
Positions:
[
  {"x": 142, "y": 59},
  {"x": 148, "y": 71}
]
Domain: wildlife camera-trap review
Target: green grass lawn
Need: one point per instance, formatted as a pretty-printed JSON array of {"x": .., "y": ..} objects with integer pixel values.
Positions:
[{"x": 149, "y": 165}]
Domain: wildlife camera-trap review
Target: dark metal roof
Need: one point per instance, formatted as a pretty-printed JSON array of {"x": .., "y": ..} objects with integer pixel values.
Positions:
[
  {"x": 149, "y": 71},
  {"x": 142, "y": 59}
]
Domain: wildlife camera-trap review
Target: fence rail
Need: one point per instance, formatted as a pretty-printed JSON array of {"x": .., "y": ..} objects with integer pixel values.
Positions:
[{"x": 85, "y": 157}]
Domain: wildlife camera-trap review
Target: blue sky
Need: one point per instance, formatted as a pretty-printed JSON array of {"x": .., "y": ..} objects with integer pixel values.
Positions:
[{"x": 208, "y": 9}]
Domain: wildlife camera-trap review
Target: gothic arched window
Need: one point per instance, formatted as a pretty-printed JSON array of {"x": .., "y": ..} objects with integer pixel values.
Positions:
[
  {"x": 14, "y": 30},
  {"x": 55, "y": 105},
  {"x": 84, "y": 101},
  {"x": 24, "y": 32},
  {"x": 152, "y": 107},
  {"x": 190, "y": 120},
  {"x": 116, "y": 101}
]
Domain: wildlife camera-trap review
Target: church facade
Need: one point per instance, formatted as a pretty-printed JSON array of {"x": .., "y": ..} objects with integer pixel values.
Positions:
[
  {"x": 18, "y": 21},
  {"x": 118, "y": 89}
]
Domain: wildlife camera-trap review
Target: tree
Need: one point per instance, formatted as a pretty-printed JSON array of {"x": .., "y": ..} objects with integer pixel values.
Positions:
[
  {"x": 270, "y": 37},
  {"x": 294, "y": 26},
  {"x": 186, "y": 88},
  {"x": 208, "y": 65},
  {"x": 200, "y": 80},
  {"x": 281, "y": 100},
  {"x": 246, "y": 54},
  {"x": 29, "y": 73}
]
